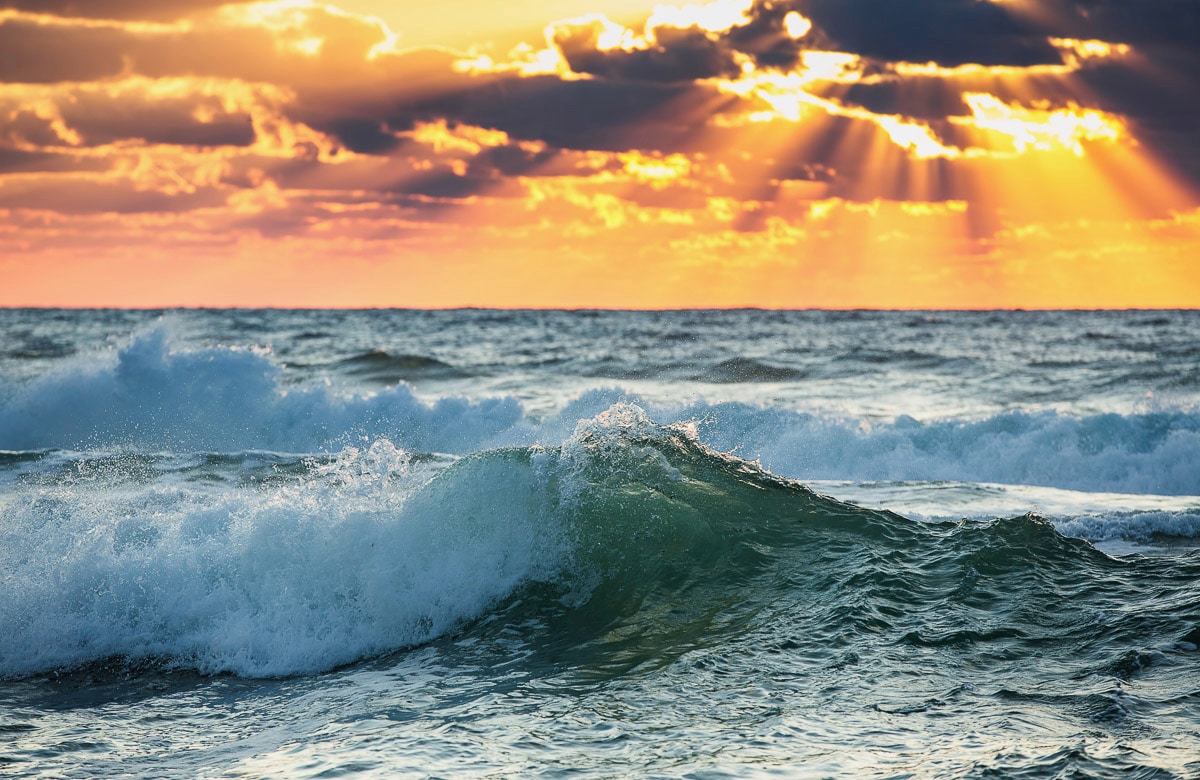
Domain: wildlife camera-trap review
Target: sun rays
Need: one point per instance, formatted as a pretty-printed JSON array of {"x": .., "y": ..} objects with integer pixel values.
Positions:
[{"x": 713, "y": 154}]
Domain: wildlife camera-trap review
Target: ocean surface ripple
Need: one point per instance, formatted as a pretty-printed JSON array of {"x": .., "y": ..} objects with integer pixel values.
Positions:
[{"x": 600, "y": 544}]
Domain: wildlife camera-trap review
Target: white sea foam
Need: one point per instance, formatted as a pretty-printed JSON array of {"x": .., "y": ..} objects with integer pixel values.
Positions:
[
  {"x": 150, "y": 396},
  {"x": 1156, "y": 453},
  {"x": 1097, "y": 517},
  {"x": 1132, "y": 526},
  {"x": 360, "y": 557},
  {"x": 360, "y": 554}
]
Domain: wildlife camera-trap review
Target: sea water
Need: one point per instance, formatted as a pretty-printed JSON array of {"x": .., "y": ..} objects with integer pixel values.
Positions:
[{"x": 599, "y": 544}]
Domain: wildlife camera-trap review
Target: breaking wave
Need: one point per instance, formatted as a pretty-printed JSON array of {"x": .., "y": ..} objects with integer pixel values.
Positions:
[
  {"x": 150, "y": 396},
  {"x": 627, "y": 527}
]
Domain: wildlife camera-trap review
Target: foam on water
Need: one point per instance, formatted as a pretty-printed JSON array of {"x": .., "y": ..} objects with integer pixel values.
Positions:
[
  {"x": 360, "y": 556},
  {"x": 503, "y": 566},
  {"x": 147, "y": 395},
  {"x": 621, "y": 601},
  {"x": 374, "y": 551},
  {"x": 151, "y": 396},
  {"x": 1097, "y": 517},
  {"x": 1137, "y": 453}
]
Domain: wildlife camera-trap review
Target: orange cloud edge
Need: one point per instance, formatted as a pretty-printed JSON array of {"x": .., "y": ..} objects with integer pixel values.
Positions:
[{"x": 787, "y": 195}]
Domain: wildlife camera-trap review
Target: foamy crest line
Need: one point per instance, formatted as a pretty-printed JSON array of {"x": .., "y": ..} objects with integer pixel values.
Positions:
[
  {"x": 150, "y": 396},
  {"x": 373, "y": 551},
  {"x": 1155, "y": 453},
  {"x": 1132, "y": 526},
  {"x": 360, "y": 558}
]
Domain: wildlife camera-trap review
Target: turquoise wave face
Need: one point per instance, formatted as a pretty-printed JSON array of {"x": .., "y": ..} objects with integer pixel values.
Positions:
[
  {"x": 630, "y": 542},
  {"x": 675, "y": 546}
]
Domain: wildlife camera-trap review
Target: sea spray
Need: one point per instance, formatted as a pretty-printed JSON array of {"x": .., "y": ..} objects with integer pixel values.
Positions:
[
  {"x": 148, "y": 395},
  {"x": 506, "y": 566},
  {"x": 355, "y": 557},
  {"x": 151, "y": 395}
]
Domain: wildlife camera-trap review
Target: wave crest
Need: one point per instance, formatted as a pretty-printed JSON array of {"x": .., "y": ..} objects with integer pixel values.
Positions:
[
  {"x": 629, "y": 532},
  {"x": 151, "y": 396}
]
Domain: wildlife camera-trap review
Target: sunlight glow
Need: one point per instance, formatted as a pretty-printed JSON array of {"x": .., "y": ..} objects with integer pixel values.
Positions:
[
  {"x": 795, "y": 25},
  {"x": 308, "y": 46},
  {"x": 658, "y": 171},
  {"x": 524, "y": 60},
  {"x": 714, "y": 17},
  {"x": 462, "y": 138},
  {"x": 1032, "y": 128},
  {"x": 294, "y": 23},
  {"x": 136, "y": 27},
  {"x": 789, "y": 98},
  {"x": 825, "y": 179},
  {"x": 1087, "y": 50}
]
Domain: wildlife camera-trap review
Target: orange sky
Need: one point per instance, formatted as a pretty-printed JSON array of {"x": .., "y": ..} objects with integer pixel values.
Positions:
[{"x": 786, "y": 153}]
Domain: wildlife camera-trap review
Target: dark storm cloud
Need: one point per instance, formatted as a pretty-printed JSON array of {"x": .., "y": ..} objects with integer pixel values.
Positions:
[
  {"x": 1144, "y": 22},
  {"x": 414, "y": 169},
  {"x": 149, "y": 10},
  {"x": 948, "y": 32},
  {"x": 20, "y": 161},
  {"x": 1159, "y": 96},
  {"x": 640, "y": 99},
  {"x": 87, "y": 196},
  {"x": 1157, "y": 92},
  {"x": 1163, "y": 113},
  {"x": 512, "y": 160},
  {"x": 677, "y": 55},
  {"x": 102, "y": 119},
  {"x": 764, "y": 39},
  {"x": 91, "y": 116},
  {"x": 601, "y": 115},
  {"x": 23, "y": 128},
  {"x": 924, "y": 98},
  {"x": 361, "y": 135}
]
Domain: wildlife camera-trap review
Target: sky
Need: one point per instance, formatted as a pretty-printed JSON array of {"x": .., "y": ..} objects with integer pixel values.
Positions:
[{"x": 600, "y": 153}]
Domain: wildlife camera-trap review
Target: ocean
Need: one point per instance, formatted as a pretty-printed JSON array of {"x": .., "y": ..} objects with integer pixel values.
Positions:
[{"x": 599, "y": 544}]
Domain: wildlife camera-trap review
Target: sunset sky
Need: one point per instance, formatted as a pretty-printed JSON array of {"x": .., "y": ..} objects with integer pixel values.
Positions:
[{"x": 608, "y": 153}]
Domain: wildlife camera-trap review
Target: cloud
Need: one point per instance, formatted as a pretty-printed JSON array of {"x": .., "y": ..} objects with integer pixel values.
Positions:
[
  {"x": 309, "y": 45},
  {"x": 155, "y": 10},
  {"x": 1146, "y": 24},
  {"x": 948, "y": 32},
  {"x": 676, "y": 55},
  {"x": 14, "y": 161},
  {"x": 712, "y": 129},
  {"x": 78, "y": 193},
  {"x": 590, "y": 114},
  {"x": 178, "y": 113}
]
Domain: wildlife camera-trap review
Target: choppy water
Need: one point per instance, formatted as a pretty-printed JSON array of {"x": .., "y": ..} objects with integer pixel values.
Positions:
[{"x": 599, "y": 544}]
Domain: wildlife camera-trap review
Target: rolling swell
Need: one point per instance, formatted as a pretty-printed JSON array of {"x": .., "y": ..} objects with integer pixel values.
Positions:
[
  {"x": 150, "y": 395},
  {"x": 696, "y": 549},
  {"x": 379, "y": 365},
  {"x": 631, "y": 543}
]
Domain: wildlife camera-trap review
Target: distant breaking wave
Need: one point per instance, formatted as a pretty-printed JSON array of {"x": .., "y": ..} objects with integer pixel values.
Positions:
[{"x": 149, "y": 396}]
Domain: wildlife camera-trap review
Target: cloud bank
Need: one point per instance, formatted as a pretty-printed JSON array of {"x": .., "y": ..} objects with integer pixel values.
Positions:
[{"x": 724, "y": 144}]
